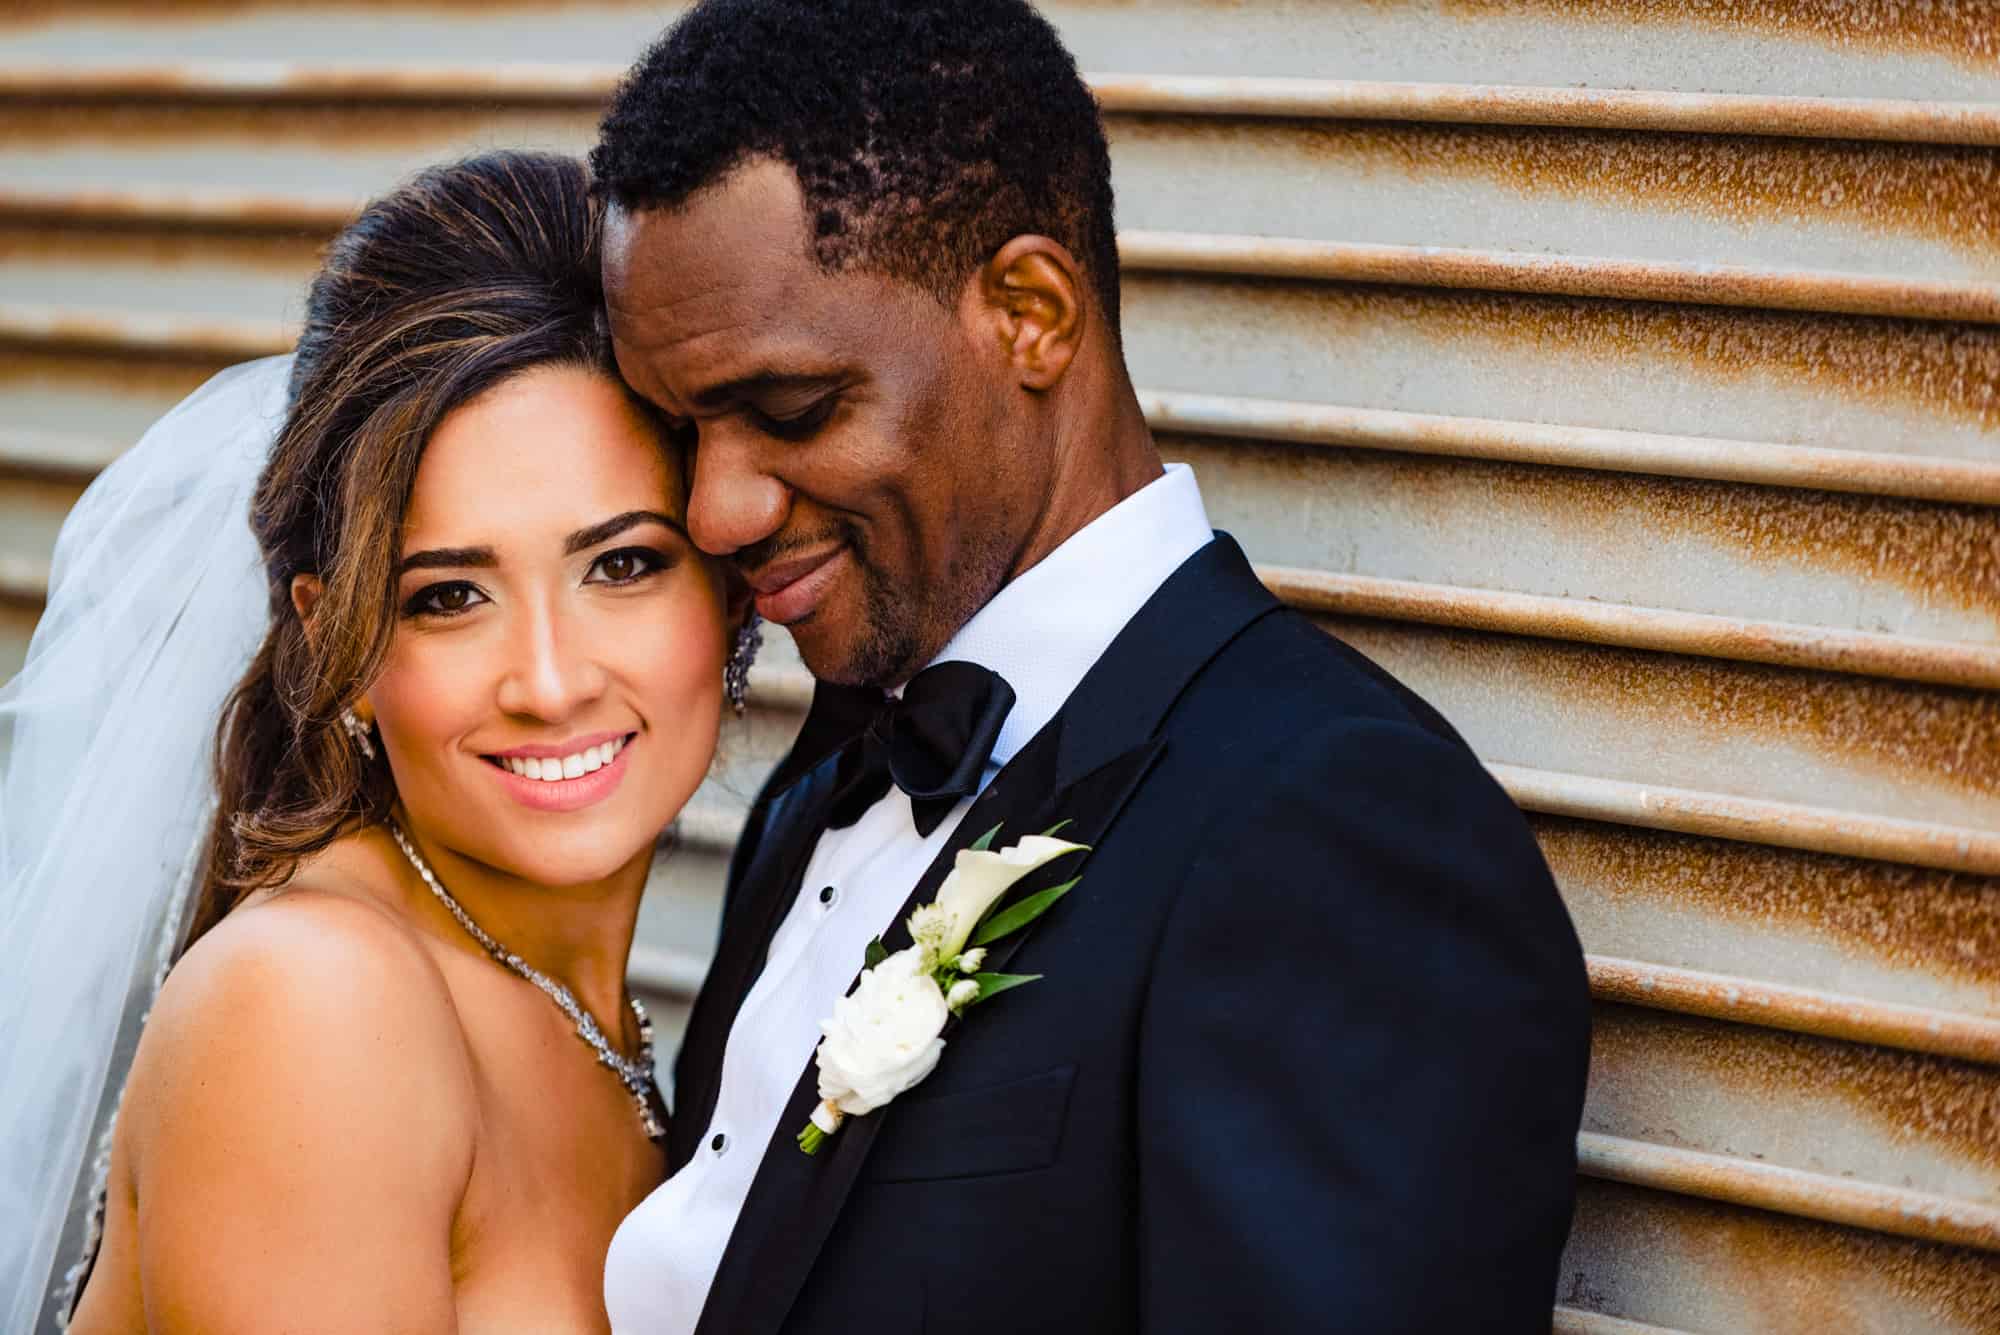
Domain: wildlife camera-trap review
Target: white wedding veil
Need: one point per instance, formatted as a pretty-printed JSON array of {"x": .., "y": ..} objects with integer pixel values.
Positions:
[{"x": 157, "y": 602}]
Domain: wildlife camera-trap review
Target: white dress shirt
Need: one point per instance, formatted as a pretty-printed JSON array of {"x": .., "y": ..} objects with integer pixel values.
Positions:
[{"x": 1042, "y": 632}]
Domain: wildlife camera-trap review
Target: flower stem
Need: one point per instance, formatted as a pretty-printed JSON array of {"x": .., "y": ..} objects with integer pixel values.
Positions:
[{"x": 811, "y": 1139}]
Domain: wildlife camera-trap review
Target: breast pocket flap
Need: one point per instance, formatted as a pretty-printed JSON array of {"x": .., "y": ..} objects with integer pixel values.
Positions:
[{"x": 1006, "y": 1128}]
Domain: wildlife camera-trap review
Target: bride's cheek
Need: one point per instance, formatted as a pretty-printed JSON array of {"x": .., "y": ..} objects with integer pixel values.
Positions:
[
  {"x": 684, "y": 668},
  {"x": 429, "y": 691},
  {"x": 684, "y": 631}
]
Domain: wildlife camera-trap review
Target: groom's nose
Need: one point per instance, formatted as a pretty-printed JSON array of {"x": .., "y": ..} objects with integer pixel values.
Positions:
[{"x": 734, "y": 501}]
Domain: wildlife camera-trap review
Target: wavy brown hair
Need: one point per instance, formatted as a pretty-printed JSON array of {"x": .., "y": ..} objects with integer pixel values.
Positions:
[{"x": 468, "y": 275}]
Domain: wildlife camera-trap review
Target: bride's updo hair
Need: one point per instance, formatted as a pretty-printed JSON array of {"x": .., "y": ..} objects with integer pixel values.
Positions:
[{"x": 468, "y": 275}]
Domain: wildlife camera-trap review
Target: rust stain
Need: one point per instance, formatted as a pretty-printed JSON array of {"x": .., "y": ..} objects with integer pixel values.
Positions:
[
  {"x": 1946, "y": 369},
  {"x": 1935, "y": 550},
  {"x": 1951, "y": 194},
  {"x": 156, "y": 381},
  {"x": 1931, "y": 549},
  {"x": 413, "y": 130},
  {"x": 1932, "y": 733},
  {"x": 295, "y": 254},
  {"x": 1966, "y": 32},
  {"x": 1911, "y": 1098},
  {"x": 1781, "y": 1274},
  {"x": 1936, "y": 368},
  {"x": 1939, "y": 923},
  {"x": 34, "y": 13}
]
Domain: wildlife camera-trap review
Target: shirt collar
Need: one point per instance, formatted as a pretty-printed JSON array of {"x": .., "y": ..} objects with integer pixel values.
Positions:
[{"x": 1046, "y": 628}]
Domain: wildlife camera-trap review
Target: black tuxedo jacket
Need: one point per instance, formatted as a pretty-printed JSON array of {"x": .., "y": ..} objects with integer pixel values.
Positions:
[{"x": 1308, "y": 1052}]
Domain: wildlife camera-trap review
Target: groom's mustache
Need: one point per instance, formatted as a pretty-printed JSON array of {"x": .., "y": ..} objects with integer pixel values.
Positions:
[{"x": 785, "y": 546}]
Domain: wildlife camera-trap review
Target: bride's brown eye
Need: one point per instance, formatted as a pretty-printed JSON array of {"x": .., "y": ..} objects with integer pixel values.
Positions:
[
  {"x": 443, "y": 600},
  {"x": 627, "y": 565}
]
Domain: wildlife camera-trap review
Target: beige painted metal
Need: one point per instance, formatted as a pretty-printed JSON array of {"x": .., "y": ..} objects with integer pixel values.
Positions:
[
  {"x": 1893, "y": 1120},
  {"x": 1624, "y": 375},
  {"x": 1728, "y": 1177},
  {"x": 1795, "y": 1009},
  {"x": 1530, "y": 442},
  {"x": 1940, "y": 51},
  {"x": 1582, "y": 276},
  {"x": 574, "y": 82},
  {"x": 1617, "y": 213}
]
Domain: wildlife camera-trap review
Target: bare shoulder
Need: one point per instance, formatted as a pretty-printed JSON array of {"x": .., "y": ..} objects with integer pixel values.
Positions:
[
  {"x": 316, "y": 1010},
  {"x": 300, "y": 1124}
]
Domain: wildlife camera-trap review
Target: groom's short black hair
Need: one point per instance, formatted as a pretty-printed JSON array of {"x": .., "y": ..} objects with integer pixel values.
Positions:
[{"x": 924, "y": 135}]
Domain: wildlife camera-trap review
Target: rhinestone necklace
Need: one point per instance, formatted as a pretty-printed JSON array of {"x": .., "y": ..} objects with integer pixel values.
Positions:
[{"x": 635, "y": 1075}]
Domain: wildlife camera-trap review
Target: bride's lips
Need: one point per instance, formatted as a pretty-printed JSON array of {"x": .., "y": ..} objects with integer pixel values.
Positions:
[
  {"x": 789, "y": 591},
  {"x": 564, "y": 794}
]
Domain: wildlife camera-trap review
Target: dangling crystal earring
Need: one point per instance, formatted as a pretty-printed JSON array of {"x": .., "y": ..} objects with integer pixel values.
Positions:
[
  {"x": 736, "y": 672},
  {"x": 359, "y": 732}
]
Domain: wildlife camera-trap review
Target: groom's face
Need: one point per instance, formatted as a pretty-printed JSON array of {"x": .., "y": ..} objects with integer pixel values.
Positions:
[{"x": 859, "y": 452}]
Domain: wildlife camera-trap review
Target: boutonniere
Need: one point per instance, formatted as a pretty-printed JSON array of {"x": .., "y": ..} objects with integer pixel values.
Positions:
[{"x": 886, "y": 1036}]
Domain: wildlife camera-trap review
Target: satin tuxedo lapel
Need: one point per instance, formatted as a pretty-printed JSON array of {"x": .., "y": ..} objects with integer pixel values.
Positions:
[{"x": 1082, "y": 768}]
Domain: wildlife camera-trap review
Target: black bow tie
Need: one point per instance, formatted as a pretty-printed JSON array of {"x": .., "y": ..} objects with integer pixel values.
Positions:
[{"x": 933, "y": 742}]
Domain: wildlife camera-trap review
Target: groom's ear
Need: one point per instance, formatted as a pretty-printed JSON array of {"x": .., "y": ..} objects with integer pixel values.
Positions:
[{"x": 1032, "y": 294}]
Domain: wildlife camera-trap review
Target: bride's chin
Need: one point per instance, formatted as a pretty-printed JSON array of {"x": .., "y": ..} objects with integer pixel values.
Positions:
[
  {"x": 558, "y": 851},
  {"x": 561, "y": 865}
]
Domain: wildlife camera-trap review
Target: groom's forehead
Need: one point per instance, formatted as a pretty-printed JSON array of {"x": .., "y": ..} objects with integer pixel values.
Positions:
[
  {"x": 663, "y": 273},
  {"x": 743, "y": 238},
  {"x": 687, "y": 289}
]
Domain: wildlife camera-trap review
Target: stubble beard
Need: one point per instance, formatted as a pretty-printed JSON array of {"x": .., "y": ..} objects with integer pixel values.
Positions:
[{"x": 904, "y": 629}]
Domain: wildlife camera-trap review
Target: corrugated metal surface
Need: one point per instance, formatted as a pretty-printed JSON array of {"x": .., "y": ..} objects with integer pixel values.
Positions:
[{"x": 1625, "y": 375}]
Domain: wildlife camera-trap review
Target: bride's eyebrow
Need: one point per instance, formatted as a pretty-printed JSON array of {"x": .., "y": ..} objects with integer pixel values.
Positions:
[
  {"x": 448, "y": 558},
  {"x": 478, "y": 558},
  {"x": 585, "y": 538}
]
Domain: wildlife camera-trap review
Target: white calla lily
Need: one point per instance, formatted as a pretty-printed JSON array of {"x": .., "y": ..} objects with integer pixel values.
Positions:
[{"x": 979, "y": 879}]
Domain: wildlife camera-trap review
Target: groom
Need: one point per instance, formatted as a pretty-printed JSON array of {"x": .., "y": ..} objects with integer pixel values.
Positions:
[{"x": 1308, "y": 1047}]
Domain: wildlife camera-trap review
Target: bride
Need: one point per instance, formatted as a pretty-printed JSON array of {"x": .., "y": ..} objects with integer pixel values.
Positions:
[{"x": 394, "y": 1080}]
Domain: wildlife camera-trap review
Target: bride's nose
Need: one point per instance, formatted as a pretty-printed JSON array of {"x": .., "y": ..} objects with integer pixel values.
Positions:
[{"x": 552, "y": 669}]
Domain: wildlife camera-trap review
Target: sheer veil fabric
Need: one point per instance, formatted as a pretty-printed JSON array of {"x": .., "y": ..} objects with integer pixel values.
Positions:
[{"x": 157, "y": 603}]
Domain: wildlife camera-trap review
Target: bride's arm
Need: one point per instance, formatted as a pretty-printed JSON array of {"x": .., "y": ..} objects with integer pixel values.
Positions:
[{"x": 302, "y": 1128}]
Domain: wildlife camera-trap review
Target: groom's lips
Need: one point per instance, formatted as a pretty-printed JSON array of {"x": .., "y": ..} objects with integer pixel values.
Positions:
[{"x": 789, "y": 591}]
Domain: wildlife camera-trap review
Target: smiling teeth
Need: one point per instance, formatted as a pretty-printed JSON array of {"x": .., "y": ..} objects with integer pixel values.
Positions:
[{"x": 551, "y": 769}]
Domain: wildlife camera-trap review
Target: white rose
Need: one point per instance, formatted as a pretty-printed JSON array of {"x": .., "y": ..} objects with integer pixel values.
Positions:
[
  {"x": 884, "y": 1037},
  {"x": 978, "y": 879}
]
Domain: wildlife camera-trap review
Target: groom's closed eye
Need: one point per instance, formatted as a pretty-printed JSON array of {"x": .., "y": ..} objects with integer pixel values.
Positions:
[
  {"x": 795, "y": 425},
  {"x": 776, "y": 392}
]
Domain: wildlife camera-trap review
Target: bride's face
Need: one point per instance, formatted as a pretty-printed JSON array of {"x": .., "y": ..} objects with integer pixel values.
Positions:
[{"x": 553, "y": 687}]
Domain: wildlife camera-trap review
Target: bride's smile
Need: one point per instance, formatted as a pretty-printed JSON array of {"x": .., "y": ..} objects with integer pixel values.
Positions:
[{"x": 531, "y": 762}]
